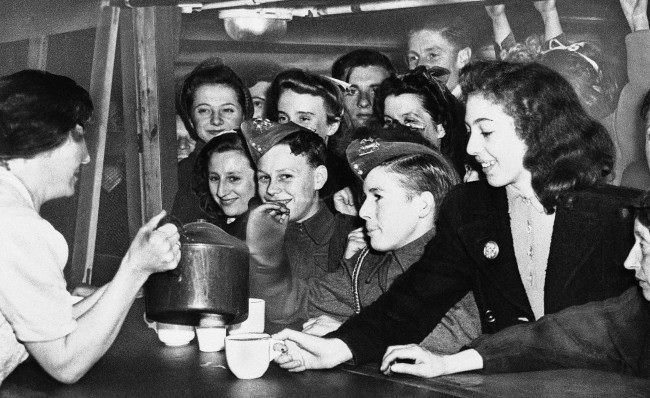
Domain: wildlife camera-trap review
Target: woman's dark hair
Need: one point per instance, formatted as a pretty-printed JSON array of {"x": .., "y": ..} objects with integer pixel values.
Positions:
[
  {"x": 210, "y": 71},
  {"x": 567, "y": 149},
  {"x": 305, "y": 83},
  {"x": 585, "y": 69},
  {"x": 342, "y": 67},
  {"x": 37, "y": 112},
  {"x": 424, "y": 172},
  {"x": 200, "y": 182},
  {"x": 439, "y": 102}
]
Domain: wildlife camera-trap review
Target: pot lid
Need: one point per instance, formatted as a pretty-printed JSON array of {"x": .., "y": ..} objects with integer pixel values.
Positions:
[{"x": 201, "y": 231}]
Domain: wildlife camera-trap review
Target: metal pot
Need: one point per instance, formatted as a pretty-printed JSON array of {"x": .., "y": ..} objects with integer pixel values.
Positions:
[{"x": 211, "y": 280}]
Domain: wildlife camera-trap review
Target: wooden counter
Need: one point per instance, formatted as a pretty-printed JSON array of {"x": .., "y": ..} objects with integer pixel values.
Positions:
[{"x": 138, "y": 365}]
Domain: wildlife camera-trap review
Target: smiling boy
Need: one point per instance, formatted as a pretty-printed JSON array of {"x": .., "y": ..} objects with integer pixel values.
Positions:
[{"x": 291, "y": 172}]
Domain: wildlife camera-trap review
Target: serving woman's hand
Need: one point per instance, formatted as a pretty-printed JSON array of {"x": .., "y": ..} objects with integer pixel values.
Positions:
[
  {"x": 310, "y": 352},
  {"x": 154, "y": 249}
]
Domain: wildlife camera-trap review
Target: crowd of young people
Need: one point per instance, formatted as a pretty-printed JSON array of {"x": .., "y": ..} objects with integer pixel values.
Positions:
[{"x": 458, "y": 214}]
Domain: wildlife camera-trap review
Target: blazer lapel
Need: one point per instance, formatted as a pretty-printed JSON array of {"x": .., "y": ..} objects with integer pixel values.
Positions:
[
  {"x": 491, "y": 227},
  {"x": 575, "y": 234}
]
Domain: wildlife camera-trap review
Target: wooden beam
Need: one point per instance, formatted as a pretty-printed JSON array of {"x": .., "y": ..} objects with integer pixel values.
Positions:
[
  {"x": 149, "y": 109},
  {"x": 37, "y": 52},
  {"x": 147, "y": 116},
  {"x": 168, "y": 28},
  {"x": 90, "y": 183},
  {"x": 132, "y": 151}
]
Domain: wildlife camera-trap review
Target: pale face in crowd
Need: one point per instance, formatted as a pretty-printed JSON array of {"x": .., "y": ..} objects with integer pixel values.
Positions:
[
  {"x": 359, "y": 98},
  {"x": 215, "y": 109},
  {"x": 59, "y": 168},
  {"x": 231, "y": 181},
  {"x": 430, "y": 48},
  {"x": 393, "y": 217},
  {"x": 289, "y": 179},
  {"x": 258, "y": 95},
  {"x": 639, "y": 258},
  {"x": 306, "y": 110},
  {"x": 407, "y": 109},
  {"x": 495, "y": 144}
]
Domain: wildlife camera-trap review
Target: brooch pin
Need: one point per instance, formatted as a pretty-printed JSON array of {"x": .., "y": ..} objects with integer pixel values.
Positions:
[
  {"x": 491, "y": 250},
  {"x": 368, "y": 146}
]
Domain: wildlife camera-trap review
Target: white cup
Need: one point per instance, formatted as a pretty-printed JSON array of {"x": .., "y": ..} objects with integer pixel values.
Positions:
[
  {"x": 171, "y": 334},
  {"x": 248, "y": 354},
  {"x": 211, "y": 339},
  {"x": 255, "y": 321}
]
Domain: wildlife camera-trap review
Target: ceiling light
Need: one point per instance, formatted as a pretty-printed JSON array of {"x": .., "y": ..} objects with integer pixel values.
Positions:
[{"x": 245, "y": 24}]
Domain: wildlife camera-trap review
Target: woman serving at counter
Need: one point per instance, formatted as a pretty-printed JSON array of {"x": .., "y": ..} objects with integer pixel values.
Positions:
[{"x": 42, "y": 148}]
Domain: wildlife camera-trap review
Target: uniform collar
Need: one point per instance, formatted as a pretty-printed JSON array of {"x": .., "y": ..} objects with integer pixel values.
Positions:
[
  {"x": 412, "y": 252},
  {"x": 318, "y": 226}
]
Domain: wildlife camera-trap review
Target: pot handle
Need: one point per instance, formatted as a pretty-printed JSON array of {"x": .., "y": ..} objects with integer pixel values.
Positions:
[{"x": 150, "y": 325}]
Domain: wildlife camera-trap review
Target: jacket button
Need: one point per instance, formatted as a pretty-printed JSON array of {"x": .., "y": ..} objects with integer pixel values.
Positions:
[{"x": 489, "y": 316}]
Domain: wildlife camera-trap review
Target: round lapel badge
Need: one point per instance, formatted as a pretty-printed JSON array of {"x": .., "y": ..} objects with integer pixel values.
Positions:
[{"x": 491, "y": 250}]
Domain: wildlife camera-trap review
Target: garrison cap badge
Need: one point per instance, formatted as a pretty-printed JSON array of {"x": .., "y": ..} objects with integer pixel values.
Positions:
[
  {"x": 366, "y": 154},
  {"x": 262, "y": 134}
]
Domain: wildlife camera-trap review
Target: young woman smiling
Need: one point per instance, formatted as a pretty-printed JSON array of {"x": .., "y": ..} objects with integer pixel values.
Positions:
[
  {"x": 212, "y": 100},
  {"x": 224, "y": 181}
]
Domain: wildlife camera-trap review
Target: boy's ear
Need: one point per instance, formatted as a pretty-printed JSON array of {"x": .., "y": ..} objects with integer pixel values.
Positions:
[
  {"x": 428, "y": 204},
  {"x": 463, "y": 57},
  {"x": 320, "y": 177},
  {"x": 333, "y": 127}
]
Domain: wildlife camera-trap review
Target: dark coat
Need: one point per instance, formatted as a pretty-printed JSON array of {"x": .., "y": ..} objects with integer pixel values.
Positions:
[
  {"x": 613, "y": 334},
  {"x": 592, "y": 236}
]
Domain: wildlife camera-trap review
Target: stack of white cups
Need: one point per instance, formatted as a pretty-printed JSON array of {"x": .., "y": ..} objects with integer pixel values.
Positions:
[{"x": 212, "y": 338}]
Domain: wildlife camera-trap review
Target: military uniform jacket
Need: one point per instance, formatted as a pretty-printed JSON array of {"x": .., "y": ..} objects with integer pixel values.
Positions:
[
  {"x": 473, "y": 250},
  {"x": 613, "y": 334}
]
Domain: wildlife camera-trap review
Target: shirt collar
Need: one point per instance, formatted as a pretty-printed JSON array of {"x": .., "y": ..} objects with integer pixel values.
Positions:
[
  {"x": 18, "y": 189},
  {"x": 413, "y": 251},
  {"x": 514, "y": 195},
  {"x": 318, "y": 227}
]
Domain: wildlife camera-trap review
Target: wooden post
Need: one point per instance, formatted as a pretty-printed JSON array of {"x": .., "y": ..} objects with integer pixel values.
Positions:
[
  {"x": 37, "y": 53},
  {"x": 149, "y": 42},
  {"x": 168, "y": 27},
  {"x": 90, "y": 183},
  {"x": 147, "y": 115},
  {"x": 132, "y": 151}
]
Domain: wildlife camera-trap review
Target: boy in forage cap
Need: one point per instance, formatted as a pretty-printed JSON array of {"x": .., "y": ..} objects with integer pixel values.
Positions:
[{"x": 291, "y": 171}]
